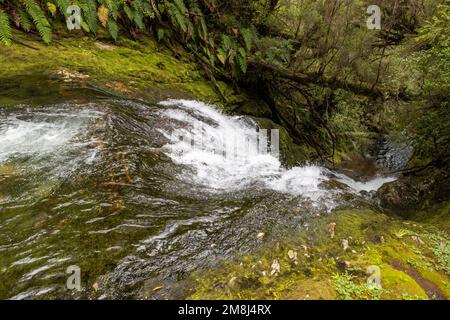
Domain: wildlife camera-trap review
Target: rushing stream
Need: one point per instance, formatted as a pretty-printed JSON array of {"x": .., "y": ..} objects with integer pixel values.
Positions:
[{"x": 109, "y": 186}]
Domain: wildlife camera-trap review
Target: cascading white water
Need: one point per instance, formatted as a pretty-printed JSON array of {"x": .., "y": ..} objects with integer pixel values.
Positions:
[
  {"x": 38, "y": 133},
  {"x": 214, "y": 169}
]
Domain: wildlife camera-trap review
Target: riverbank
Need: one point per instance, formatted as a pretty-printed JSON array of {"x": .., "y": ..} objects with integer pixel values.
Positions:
[
  {"x": 143, "y": 69},
  {"x": 331, "y": 258}
]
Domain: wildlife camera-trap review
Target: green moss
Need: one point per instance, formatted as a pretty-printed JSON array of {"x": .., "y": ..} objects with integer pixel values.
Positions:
[
  {"x": 437, "y": 216},
  {"x": 397, "y": 284},
  {"x": 137, "y": 66},
  {"x": 324, "y": 270},
  {"x": 312, "y": 289}
]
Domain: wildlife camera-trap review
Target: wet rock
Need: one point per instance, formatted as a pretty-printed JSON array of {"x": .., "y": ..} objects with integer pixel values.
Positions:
[
  {"x": 334, "y": 184},
  {"x": 299, "y": 210},
  {"x": 104, "y": 46},
  {"x": 119, "y": 86},
  {"x": 68, "y": 75},
  {"x": 275, "y": 268},
  {"x": 400, "y": 194},
  {"x": 233, "y": 284},
  {"x": 410, "y": 193},
  {"x": 358, "y": 167},
  {"x": 159, "y": 288},
  {"x": 345, "y": 244},
  {"x": 256, "y": 108},
  {"x": 331, "y": 229},
  {"x": 418, "y": 240},
  {"x": 291, "y": 153},
  {"x": 393, "y": 155},
  {"x": 293, "y": 256}
]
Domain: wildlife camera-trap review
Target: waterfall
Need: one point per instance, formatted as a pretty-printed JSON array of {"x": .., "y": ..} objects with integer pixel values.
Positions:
[{"x": 212, "y": 133}]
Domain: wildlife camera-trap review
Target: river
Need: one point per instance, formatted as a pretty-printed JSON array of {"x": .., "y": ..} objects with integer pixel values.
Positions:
[{"x": 109, "y": 186}]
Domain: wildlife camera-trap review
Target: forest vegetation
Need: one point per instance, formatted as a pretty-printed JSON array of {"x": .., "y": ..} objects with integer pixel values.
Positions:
[{"x": 314, "y": 69}]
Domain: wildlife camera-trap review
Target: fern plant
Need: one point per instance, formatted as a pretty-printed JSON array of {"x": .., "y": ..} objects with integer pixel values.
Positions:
[
  {"x": 39, "y": 19},
  {"x": 5, "y": 29},
  {"x": 25, "y": 20},
  {"x": 225, "y": 50}
]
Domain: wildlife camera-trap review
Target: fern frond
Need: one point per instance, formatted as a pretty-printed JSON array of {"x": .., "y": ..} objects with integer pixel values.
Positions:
[
  {"x": 113, "y": 6},
  {"x": 177, "y": 16},
  {"x": 62, "y": 6},
  {"x": 181, "y": 7},
  {"x": 25, "y": 20},
  {"x": 39, "y": 19},
  {"x": 113, "y": 28},
  {"x": 128, "y": 12},
  {"x": 5, "y": 29},
  {"x": 241, "y": 59},
  {"x": 89, "y": 8},
  {"x": 138, "y": 17},
  {"x": 249, "y": 37}
]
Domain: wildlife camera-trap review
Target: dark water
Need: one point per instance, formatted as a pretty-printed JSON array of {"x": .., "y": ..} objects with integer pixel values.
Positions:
[{"x": 97, "y": 185}]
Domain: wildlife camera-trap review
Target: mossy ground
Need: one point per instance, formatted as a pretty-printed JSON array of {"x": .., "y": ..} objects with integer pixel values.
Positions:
[
  {"x": 412, "y": 259},
  {"x": 140, "y": 69}
]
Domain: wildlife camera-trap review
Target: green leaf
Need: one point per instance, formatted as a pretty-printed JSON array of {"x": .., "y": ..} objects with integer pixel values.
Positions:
[
  {"x": 227, "y": 42},
  {"x": 89, "y": 8},
  {"x": 5, "y": 29},
  {"x": 113, "y": 28},
  {"x": 249, "y": 37},
  {"x": 242, "y": 59},
  {"x": 128, "y": 12},
  {"x": 160, "y": 33},
  {"x": 39, "y": 19},
  {"x": 222, "y": 55},
  {"x": 24, "y": 20},
  {"x": 138, "y": 17}
]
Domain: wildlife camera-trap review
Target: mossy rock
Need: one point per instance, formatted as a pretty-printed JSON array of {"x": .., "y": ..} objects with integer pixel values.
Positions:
[
  {"x": 400, "y": 284},
  {"x": 312, "y": 289},
  {"x": 292, "y": 154}
]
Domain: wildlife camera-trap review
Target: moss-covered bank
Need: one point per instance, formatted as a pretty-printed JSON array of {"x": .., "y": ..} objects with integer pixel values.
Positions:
[
  {"x": 142, "y": 69},
  {"x": 412, "y": 259}
]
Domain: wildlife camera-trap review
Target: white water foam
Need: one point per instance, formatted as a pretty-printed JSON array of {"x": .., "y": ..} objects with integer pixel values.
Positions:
[
  {"x": 371, "y": 185},
  {"x": 39, "y": 134},
  {"x": 215, "y": 170}
]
